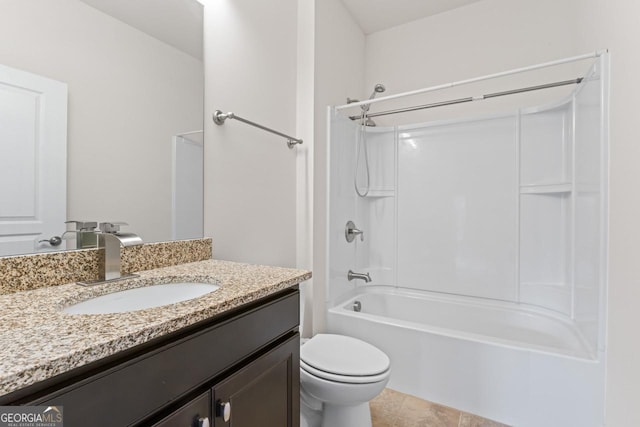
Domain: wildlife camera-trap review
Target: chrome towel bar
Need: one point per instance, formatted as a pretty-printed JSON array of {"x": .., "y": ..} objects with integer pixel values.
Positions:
[{"x": 219, "y": 118}]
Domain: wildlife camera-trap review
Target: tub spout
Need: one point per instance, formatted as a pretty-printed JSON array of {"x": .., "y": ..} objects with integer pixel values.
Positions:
[{"x": 363, "y": 276}]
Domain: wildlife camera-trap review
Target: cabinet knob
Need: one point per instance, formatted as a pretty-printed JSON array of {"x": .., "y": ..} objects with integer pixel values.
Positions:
[
  {"x": 224, "y": 410},
  {"x": 204, "y": 422}
]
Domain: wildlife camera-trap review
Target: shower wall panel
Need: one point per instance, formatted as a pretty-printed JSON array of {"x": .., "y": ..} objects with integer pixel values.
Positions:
[
  {"x": 544, "y": 150},
  {"x": 457, "y": 208},
  {"x": 545, "y": 251},
  {"x": 590, "y": 212},
  {"x": 341, "y": 205},
  {"x": 374, "y": 213},
  {"x": 546, "y": 205},
  {"x": 377, "y": 209}
]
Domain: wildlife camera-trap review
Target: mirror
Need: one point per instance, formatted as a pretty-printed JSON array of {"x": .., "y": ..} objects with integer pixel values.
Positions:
[{"x": 134, "y": 77}]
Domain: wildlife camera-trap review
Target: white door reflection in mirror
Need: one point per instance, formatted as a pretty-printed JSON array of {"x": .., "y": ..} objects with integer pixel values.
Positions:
[{"x": 33, "y": 161}]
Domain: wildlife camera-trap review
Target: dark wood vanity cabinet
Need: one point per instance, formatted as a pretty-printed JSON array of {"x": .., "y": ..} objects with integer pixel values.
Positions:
[
  {"x": 245, "y": 361},
  {"x": 265, "y": 393}
]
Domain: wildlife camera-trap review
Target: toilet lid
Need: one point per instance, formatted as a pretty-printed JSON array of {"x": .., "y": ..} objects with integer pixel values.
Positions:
[{"x": 342, "y": 355}]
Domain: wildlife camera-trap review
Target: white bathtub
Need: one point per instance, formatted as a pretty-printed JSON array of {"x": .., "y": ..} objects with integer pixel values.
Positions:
[{"x": 517, "y": 365}]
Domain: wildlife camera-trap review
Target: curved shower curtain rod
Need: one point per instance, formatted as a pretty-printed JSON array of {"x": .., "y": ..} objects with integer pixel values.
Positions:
[
  {"x": 472, "y": 98},
  {"x": 473, "y": 80}
]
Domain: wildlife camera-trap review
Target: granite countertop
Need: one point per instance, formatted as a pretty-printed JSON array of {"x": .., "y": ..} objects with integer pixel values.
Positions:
[{"x": 38, "y": 341}]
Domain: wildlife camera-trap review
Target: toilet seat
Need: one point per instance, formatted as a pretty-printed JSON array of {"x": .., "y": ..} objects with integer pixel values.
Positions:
[
  {"x": 347, "y": 379},
  {"x": 344, "y": 359}
]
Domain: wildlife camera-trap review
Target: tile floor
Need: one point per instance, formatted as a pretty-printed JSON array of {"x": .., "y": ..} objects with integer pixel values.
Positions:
[{"x": 395, "y": 409}]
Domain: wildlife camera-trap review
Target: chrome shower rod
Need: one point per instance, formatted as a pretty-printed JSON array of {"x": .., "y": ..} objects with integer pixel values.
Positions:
[
  {"x": 472, "y": 98},
  {"x": 219, "y": 117}
]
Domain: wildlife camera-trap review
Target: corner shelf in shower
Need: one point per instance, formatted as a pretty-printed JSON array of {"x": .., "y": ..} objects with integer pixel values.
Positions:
[
  {"x": 380, "y": 192},
  {"x": 564, "y": 187}
]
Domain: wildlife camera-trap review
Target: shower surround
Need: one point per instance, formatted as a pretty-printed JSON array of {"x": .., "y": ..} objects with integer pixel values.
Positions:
[{"x": 485, "y": 239}]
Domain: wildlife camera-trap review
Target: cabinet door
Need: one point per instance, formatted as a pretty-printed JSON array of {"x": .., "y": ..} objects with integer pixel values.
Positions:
[
  {"x": 265, "y": 393},
  {"x": 196, "y": 413}
]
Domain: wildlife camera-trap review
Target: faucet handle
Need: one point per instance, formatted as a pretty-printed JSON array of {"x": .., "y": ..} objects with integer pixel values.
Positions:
[
  {"x": 83, "y": 225},
  {"x": 350, "y": 232},
  {"x": 111, "y": 227}
]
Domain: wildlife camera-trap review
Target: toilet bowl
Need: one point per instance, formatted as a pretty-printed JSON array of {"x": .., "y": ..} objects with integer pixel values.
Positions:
[{"x": 339, "y": 375}]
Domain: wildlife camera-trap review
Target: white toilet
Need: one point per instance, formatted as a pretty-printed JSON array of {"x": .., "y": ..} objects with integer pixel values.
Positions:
[{"x": 339, "y": 375}]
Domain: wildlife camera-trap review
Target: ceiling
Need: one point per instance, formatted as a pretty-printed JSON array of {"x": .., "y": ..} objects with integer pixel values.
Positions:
[
  {"x": 176, "y": 22},
  {"x": 377, "y": 15},
  {"x": 179, "y": 22}
]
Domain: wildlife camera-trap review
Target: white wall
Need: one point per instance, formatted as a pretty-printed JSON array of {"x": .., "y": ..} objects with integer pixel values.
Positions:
[
  {"x": 250, "y": 175},
  {"x": 128, "y": 95},
  {"x": 281, "y": 64},
  {"x": 305, "y": 154},
  {"x": 616, "y": 26},
  {"x": 482, "y": 38},
  {"x": 496, "y": 35}
]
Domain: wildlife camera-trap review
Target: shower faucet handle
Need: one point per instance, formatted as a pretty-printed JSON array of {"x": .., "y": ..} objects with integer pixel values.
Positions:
[{"x": 350, "y": 232}]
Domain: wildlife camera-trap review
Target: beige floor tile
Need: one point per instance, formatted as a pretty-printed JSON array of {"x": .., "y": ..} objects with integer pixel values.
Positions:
[
  {"x": 469, "y": 420},
  {"x": 394, "y": 409},
  {"x": 381, "y": 421},
  {"x": 416, "y": 412},
  {"x": 385, "y": 407}
]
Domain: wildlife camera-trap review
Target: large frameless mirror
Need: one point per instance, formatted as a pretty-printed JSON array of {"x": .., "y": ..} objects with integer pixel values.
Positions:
[{"x": 101, "y": 109}]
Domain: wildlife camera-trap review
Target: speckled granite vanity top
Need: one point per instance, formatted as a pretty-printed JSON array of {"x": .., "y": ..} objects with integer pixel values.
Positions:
[{"x": 38, "y": 341}]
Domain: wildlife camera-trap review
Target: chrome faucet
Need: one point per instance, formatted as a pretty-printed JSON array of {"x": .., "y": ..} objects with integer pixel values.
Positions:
[
  {"x": 110, "y": 241},
  {"x": 363, "y": 276}
]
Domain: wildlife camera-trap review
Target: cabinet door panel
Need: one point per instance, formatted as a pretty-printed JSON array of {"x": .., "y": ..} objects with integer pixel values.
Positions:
[
  {"x": 190, "y": 414},
  {"x": 265, "y": 393}
]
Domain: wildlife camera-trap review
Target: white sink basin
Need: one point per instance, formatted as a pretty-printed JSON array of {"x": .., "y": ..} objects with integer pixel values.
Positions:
[{"x": 141, "y": 298}]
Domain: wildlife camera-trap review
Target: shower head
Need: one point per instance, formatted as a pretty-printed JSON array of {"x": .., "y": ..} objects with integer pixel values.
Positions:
[{"x": 379, "y": 88}]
